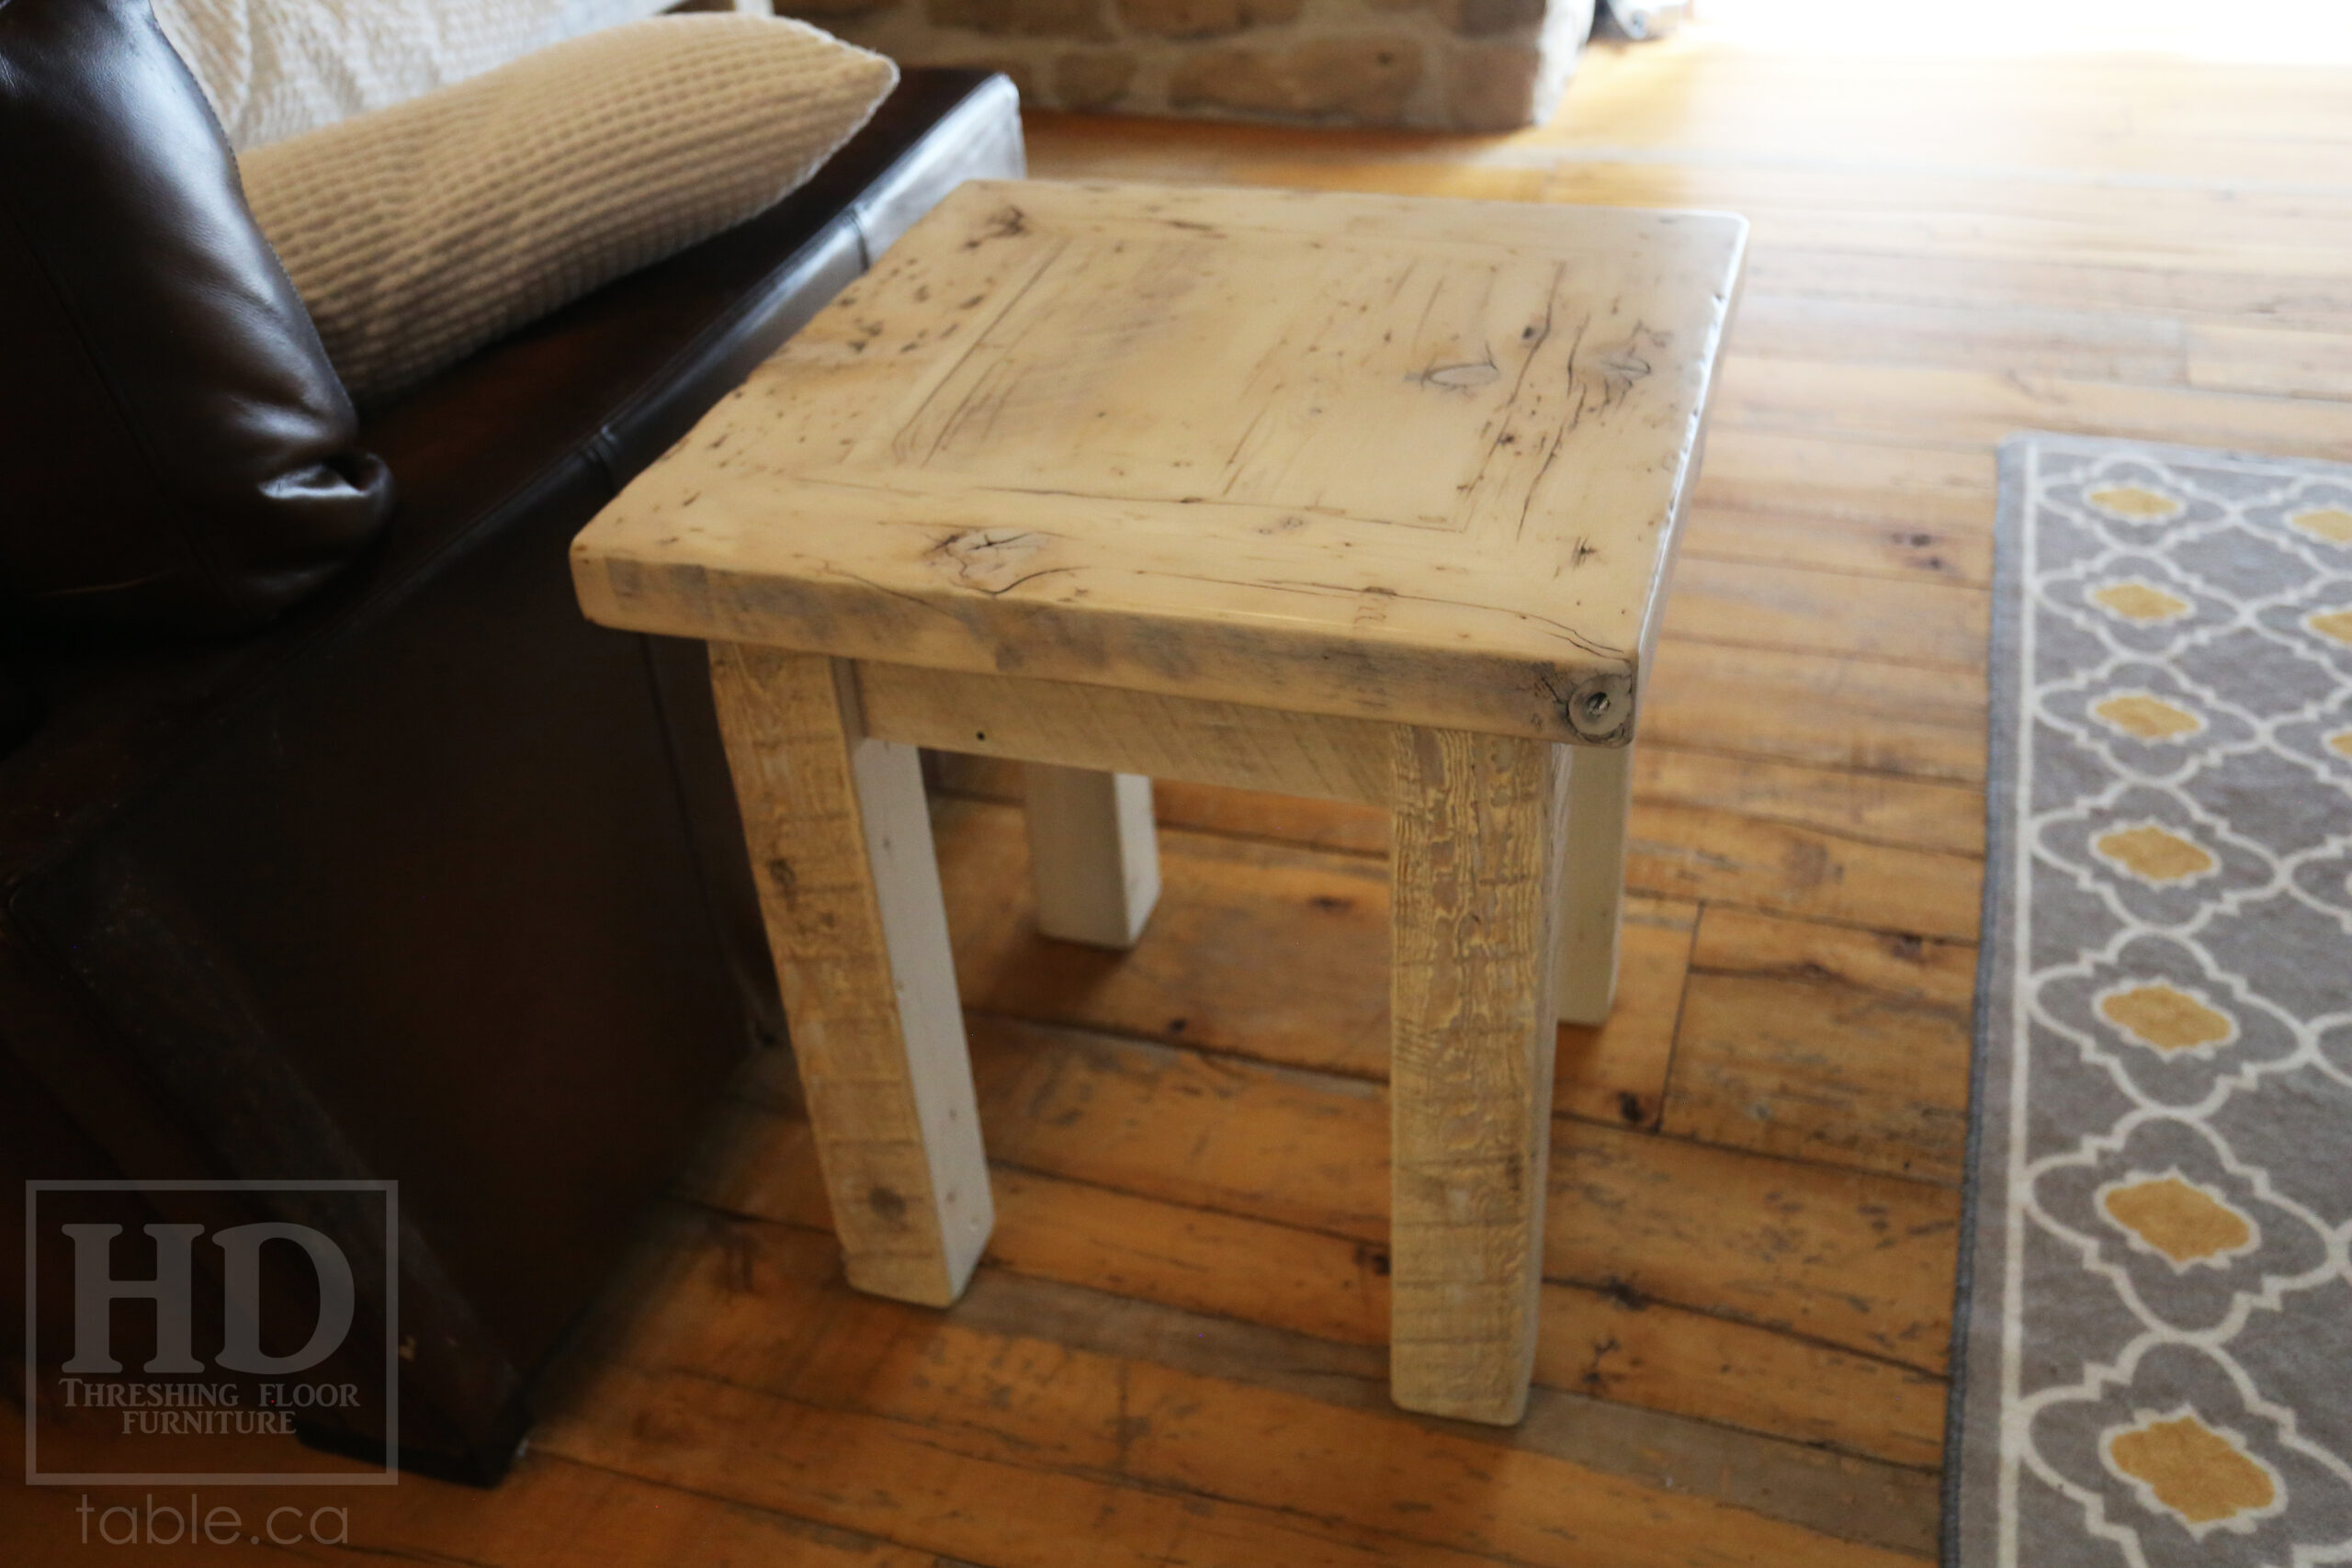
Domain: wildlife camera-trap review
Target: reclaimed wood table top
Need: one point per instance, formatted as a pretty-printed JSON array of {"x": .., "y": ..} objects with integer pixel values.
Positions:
[{"x": 1410, "y": 459}]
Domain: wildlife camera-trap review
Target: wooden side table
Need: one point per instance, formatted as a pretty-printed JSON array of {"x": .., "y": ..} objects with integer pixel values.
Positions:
[{"x": 1326, "y": 494}]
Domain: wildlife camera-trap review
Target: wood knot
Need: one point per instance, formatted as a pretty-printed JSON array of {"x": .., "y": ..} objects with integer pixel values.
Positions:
[
  {"x": 993, "y": 560},
  {"x": 1467, "y": 376}
]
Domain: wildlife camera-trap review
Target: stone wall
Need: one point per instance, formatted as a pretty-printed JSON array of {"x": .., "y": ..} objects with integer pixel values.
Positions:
[{"x": 1449, "y": 65}]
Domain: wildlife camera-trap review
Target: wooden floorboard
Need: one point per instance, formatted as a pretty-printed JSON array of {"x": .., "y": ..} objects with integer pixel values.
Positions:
[{"x": 1173, "y": 1350}]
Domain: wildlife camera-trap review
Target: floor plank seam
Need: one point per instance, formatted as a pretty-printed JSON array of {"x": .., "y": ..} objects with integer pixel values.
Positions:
[
  {"x": 1975, "y": 786},
  {"x": 1837, "y": 835},
  {"x": 1730, "y": 557},
  {"x": 801, "y": 1522},
  {"x": 1816, "y": 973},
  {"x": 1617, "y": 1290},
  {"x": 1674, "y": 1038},
  {"x": 1326, "y": 1526},
  {"x": 1939, "y": 666},
  {"x": 1502, "y": 1440},
  {"x": 1332, "y": 1076}
]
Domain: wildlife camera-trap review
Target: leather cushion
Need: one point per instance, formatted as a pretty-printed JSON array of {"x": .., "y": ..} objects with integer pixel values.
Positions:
[
  {"x": 18, "y": 710},
  {"x": 178, "y": 453}
]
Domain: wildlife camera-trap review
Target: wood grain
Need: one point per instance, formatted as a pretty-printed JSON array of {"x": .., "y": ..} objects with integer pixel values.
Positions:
[
  {"x": 1841, "y": 1045},
  {"x": 1977, "y": 407},
  {"x": 1854, "y": 1260},
  {"x": 1132, "y": 1467},
  {"x": 1850, "y": 1259},
  {"x": 1887, "y": 808},
  {"x": 547, "y": 1510},
  {"x": 2226, "y": 356},
  {"x": 1605, "y": 1342},
  {"x": 1617, "y": 1346},
  {"x": 1349, "y": 827},
  {"x": 1823, "y": 1072},
  {"x": 2107, "y": 346},
  {"x": 1257, "y": 949},
  {"x": 1474, "y": 955},
  {"x": 1847, "y": 546},
  {"x": 1813, "y": 474},
  {"x": 1093, "y": 858},
  {"x": 1821, "y": 709},
  {"x": 2179, "y": 218},
  {"x": 873, "y": 1473},
  {"x": 958, "y": 465},
  {"x": 2147, "y": 225},
  {"x": 849, "y": 886},
  {"x": 1592, "y": 881},
  {"x": 1283, "y": 819},
  {"x": 1279, "y": 953},
  {"x": 1890, "y": 964},
  {"x": 1753, "y": 605},
  {"x": 1047, "y": 1374},
  {"x": 1107, "y": 729},
  {"x": 2318, "y": 293},
  {"x": 1616, "y": 1071},
  {"x": 1714, "y": 853}
]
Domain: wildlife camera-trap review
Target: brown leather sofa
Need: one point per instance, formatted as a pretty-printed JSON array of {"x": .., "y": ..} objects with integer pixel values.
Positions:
[{"x": 431, "y": 880}]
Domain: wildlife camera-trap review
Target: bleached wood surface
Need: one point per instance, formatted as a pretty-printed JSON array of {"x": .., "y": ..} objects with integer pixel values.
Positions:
[
  {"x": 1474, "y": 922},
  {"x": 1102, "y": 727},
  {"x": 1413, "y": 460},
  {"x": 849, "y": 886},
  {"x": 1248, "y": 487}
]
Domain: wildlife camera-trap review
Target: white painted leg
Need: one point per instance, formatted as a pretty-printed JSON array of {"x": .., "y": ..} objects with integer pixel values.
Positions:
[
  {"x": 1592, "y": 879},
  {"x": 841, "y": 847},
  {"x": 1092, "y": 854}
]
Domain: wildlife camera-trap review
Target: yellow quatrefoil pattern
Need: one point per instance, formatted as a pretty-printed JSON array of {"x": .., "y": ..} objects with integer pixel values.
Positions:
[{"x": 2159, "y": 1366}]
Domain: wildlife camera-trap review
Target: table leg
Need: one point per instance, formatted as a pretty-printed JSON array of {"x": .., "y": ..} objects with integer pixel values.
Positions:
[
  {"x": 1592, "y": 880},
  {"x": 841, "y": 848},
  {"x": 1476, "y": 910},
  {"x": 1093, "y": 857}
]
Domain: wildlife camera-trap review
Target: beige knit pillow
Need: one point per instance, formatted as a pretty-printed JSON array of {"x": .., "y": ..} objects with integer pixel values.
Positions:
[{"x": 417, "y": 234}]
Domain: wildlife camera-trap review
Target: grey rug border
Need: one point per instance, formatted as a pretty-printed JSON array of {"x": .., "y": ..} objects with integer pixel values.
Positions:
[
  {"x": 2004, "y": 680},
  {"x": 2002, "y": 717}
]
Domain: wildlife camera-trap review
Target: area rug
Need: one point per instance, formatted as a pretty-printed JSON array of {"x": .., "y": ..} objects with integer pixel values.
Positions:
[{"x": 2152, "y": 1350}]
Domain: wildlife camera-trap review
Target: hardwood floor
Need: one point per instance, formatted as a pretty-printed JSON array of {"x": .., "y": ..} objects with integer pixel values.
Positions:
[{"x": 1173, "y": 1351}]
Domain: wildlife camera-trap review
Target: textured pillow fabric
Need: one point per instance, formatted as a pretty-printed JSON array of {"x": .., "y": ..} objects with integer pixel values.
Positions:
[
  {"x": 418, "y": 233},
  {"x": 175, "y": 448},
  {"x": 278, "y": 68}
]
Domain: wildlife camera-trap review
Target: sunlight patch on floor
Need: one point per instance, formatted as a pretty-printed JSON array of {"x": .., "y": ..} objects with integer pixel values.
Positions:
[{"x": 2296, "y": 32}]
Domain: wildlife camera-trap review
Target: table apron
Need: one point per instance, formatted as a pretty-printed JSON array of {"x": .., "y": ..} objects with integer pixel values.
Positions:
[{"x": 1104, "y": 728}]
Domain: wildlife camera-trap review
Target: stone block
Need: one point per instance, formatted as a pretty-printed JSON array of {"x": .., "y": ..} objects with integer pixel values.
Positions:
[
  {"x": 1028, "y": 18},
  {"x": 824, "y": 11},
  {"x": 1093, "y": 78},
  {"x": 1203, "y": 19},
  {"x": 1494, "y": 86},
  {"x": 1475, "y": 18},
  {"x": 1025, "y": 75},
  {"x": 1484, "y": 18},
  {"x": 1366, "y": 80}
]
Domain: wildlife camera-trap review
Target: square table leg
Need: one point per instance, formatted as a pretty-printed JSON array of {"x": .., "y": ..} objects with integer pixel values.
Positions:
[
  {"x": 1478, "y": 823},
  {"x": 1093, "y": 855},
  {"x": 840, "y": 839},
  {"x": 1592, "y": 880}
]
